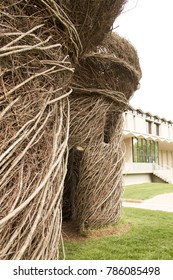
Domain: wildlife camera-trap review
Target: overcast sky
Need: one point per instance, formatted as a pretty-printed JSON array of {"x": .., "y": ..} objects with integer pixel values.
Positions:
[{"x": 148, "y": 24}]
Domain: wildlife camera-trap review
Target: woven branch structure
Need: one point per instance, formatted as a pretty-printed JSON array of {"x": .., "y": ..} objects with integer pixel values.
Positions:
[
  {"x": 34, "y": 127},
  {"x": 102, "y": 85},
  {"x": 64, "y": 82}
]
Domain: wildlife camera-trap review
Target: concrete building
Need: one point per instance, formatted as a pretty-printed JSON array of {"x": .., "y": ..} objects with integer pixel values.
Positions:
[{"x": 149, "y": 148}]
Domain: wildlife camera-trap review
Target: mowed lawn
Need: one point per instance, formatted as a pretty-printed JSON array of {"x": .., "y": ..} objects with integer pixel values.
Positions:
[
  {"x": 148, "y": 235},
  {"x": 146, "y": 191},
  {"x": 140, "y": 234}
]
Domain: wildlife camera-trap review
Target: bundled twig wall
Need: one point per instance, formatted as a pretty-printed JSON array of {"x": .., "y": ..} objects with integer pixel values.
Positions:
[
  {"x": 99, "y": 188},
  {"x": 102, "y": 85},
  {"x": 92, "y": 19},
  {"x": 34, "y": 127},
  {"x": 64, "y": 83}
]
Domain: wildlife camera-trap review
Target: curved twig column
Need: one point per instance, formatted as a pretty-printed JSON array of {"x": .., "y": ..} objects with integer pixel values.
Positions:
[
  {"x": 102, "y": 85},
  {"x": 34, "y": 127}
]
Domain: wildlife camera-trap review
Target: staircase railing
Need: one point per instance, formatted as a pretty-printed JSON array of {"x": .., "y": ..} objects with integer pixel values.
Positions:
[{"x": 156, "y": 166}]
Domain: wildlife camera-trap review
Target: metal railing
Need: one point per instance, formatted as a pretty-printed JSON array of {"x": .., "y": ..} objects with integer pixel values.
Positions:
[
  {"x": 132, "y": 167},
  {"x": 156, "y": 166}
]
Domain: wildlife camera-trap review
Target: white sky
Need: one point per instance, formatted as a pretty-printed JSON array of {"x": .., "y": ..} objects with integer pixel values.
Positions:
[{"x": 148, "y": 26}]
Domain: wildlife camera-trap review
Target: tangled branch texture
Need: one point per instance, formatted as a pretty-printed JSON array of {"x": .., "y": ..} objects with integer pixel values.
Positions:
[{"x": 65, "y": 81}]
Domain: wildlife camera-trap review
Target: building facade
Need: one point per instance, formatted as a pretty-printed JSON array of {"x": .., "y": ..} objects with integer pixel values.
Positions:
[{"x": 148, "y": 143}]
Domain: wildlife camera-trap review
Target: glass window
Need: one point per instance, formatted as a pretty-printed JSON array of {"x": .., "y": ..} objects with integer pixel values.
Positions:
[
  {"x": 145, "y": 150},
  {"x": 157, "y": 129},
  {"x": 149, "y": 127}
]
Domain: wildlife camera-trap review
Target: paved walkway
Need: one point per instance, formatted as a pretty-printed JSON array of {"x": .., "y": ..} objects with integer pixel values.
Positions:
[{"x": 163, "y": 202}]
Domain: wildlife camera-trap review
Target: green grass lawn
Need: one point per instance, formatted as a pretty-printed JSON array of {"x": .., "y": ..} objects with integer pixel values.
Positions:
[
  {"x": 146, "y": 191},
  {"x": 149, "y": 237}
]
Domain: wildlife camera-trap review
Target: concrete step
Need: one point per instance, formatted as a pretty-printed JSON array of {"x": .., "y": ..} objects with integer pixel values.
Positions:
[{"x": 166, "y": 175}]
